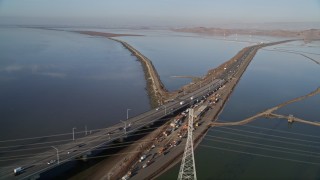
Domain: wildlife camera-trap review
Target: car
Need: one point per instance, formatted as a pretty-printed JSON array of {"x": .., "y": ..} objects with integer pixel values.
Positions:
[
  {"x": 82, "y": 144},
  {"x": 17, "y": 171},
  {"x": 125, "y": 177},
  {"x": 142, "y": 158},
  {"x": 144, "y": 165},
  {"x": 51, "y": 162}
]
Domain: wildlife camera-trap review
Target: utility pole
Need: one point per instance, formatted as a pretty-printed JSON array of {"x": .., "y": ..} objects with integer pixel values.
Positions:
[
  {"x": 188, "y": 167},
  {"x": 57, "y": 153}
]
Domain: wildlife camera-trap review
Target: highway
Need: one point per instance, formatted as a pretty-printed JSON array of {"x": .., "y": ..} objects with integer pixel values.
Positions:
[
  {"x": 82, "y": 147},
  {"x": 157, "y": 164}
]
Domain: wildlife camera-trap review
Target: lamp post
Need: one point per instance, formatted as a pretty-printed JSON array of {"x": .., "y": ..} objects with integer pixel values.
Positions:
[
  {"x": 128, "y": 113},
  {"x": 57, "y": 153},
  {"x": 125, "y": 126},
  {"x": 73, "y": 133}
]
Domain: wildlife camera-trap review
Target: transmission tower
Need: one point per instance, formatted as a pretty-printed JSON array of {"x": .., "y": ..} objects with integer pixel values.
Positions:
[{"x": 188, "y": 167}]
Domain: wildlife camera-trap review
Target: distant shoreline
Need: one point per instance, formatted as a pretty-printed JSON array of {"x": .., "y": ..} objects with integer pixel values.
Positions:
[
  {"x": 104, "y": 34},
  {"x": 306, "y": 35}
]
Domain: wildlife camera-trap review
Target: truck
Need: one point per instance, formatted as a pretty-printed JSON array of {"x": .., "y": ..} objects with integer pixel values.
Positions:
[{"x": 17, "y": 171}]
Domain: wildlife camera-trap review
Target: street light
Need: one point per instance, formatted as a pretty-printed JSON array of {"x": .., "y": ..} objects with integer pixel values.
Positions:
[
  {"x": 128, "y": 113},
  {"x": 57, "y": 153},
  {"x": 125, "y": 126},
  {"x": 73, "y": 133}
]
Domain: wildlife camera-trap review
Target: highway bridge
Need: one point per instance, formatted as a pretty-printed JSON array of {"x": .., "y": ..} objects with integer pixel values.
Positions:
[{"x": 83, "y": 147}]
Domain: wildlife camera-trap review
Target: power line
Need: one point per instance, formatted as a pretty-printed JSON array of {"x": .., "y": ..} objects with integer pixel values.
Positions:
[
  {"x": 238, "y": 134},
  {"x": 102, "y": 137},
  {"x": 261, "y": 155},
  {"x": 101, "y": 129},
  {"x": 281, "y": 131},
  {"x": 54, "y": 135},
  {"x": 128, "y": 142},
  {"x": 261, "y": 147},
  {"x": 141, "y": 134},
  {"x": 45, "y": 154},
  {"x": 49, "y": 142},
  {"x": 73, "y": 159},
  {"x": 130, "y": 152},
  {"x": 279, "y": 147},
  {"x": 251, "y": 132}
]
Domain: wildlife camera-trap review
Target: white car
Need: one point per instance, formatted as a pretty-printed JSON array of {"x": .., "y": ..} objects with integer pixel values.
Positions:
[
  {"x": 125, "y": 177},
  {"x": 51, "y": 162},
  {"x": 144, "y": 165},
  {"x": 142, "y": 158}
]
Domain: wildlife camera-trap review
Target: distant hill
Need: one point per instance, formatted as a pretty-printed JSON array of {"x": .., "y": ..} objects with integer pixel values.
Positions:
[{"x": 307, "y": 35}]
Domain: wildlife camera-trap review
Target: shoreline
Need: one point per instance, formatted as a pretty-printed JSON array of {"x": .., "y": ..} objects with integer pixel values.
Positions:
[{"x": 307, "y": 35}]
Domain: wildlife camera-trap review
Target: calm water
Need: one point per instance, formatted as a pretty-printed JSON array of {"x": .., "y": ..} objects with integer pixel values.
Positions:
[
  {"x": 51, "y": 81},
  {"x": 181, "y": 54},
  {"x": 266, "y": 148}
]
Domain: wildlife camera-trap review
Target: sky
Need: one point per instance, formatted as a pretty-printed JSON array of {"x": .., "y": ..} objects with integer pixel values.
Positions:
[{"x": 157, "y": 12}]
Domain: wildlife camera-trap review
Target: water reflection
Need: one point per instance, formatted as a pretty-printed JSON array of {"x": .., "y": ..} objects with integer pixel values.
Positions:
[{"x": 52, "y": 81}]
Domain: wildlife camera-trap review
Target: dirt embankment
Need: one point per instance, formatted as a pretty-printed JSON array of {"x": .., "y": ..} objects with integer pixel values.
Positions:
[{"x": 156, "y": 90}]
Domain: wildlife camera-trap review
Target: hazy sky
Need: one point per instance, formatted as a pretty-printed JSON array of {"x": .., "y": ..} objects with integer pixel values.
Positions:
[{"x": 159, "y": 12}]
